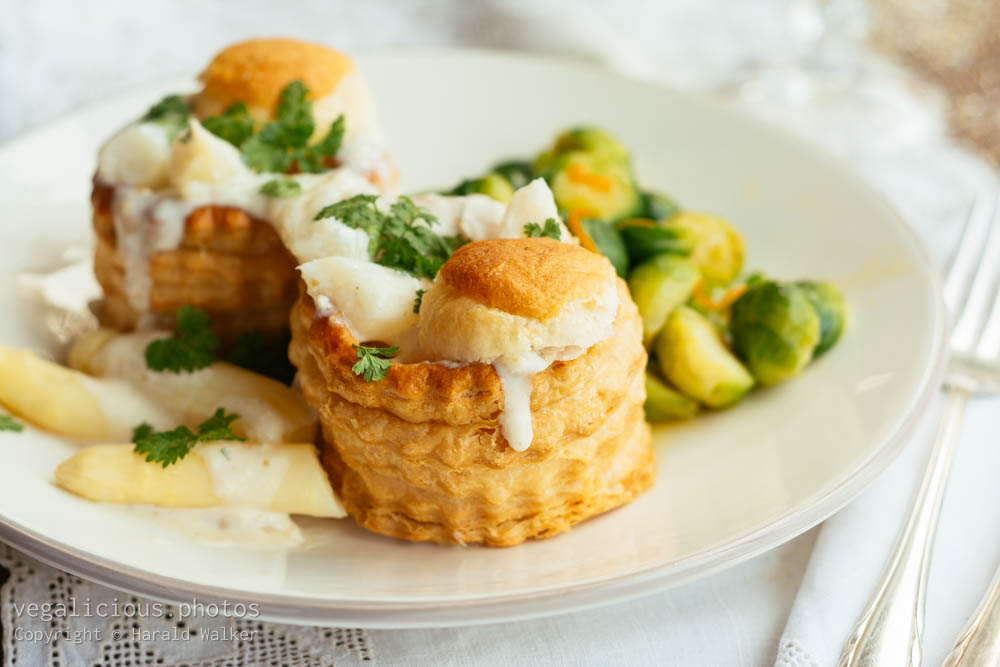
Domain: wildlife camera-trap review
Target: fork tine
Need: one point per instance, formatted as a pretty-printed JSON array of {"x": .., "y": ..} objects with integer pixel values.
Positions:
[
  {"x": 970, "y": 248},
  {"x": 978, "y": 305}
]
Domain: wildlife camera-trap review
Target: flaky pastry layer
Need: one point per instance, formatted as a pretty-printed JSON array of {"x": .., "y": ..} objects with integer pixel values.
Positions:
[
  {"x": 420, "y": 454},
  {"x": 228, "y": 263}
]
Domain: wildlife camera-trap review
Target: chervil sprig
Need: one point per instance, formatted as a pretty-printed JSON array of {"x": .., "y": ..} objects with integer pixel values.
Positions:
[
  {"x": 373, "y": 362},
  {"x": 8, "y": 423},
  {"x": 169, "y": 447},
  {"x": 280, "y": 188},
  {"x": 281, "y": 145},
  {"x": 551, "y": 230},
  {"x": 192, "y": 346},
  {"x": 401, "y": 238},
  {"x": 235, "y": 125},
  {"x": 172, "y": 112}
]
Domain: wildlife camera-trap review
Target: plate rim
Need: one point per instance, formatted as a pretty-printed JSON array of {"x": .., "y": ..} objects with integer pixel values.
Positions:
[{"x": 555, "y": 598}]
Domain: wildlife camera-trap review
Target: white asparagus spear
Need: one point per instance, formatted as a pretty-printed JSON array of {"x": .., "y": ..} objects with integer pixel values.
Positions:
[
  {"x": 269, "y": 411},
  {"x": 71, "y": 403},
  {"x": 286, "y": 478}
]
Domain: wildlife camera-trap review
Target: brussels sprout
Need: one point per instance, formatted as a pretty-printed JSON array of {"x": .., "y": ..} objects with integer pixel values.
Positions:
[
  {"x": 664, "y": 403},
  {"x": 658, "y": 207},
  {"x": 694, "y": 359},
  {"x": 775, "y": 329},
  {"x": 831, "y": 308},
  {"x": 595, "y": 185},
  {"x": 590, "y": 140},
  {"x": 492, "y": 185},
  {"x": 717, "y": 247},
  {"x": 518, "y": 173},
  {"x": 645, "y": 238},
  {"x": 609, "y": 242},
  {"x": 660, "y": 285}
]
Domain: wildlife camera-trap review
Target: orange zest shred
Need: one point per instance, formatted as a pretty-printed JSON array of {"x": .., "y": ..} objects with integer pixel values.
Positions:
[
  {"x": 723, "y": 302},
  {"x": 577, "y": 173},
  {"x": 574, "y": 222}
]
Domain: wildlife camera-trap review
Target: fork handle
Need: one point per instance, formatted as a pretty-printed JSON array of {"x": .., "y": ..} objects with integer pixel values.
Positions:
[
  {"x": 979, "y": 642},
  {"x": 889, "y": 631}
]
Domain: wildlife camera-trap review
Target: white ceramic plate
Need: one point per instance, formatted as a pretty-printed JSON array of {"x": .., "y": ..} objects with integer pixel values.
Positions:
[{"x": 729, "y": 485}]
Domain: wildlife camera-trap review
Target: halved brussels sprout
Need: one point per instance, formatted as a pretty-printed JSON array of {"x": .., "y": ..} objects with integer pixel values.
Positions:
[
  {"x": 645, "y": 238},
  {"x": 517, "y": 172},
  {"x": 492, "y": 185},
  {"x": 775, "y": 330},
  {"x": 609, "y": 242},
  {"x": 593, "y": 184},
  {"x": 657, "y": 206},
  {"x": 717, "y": 247},
  {"x": 660, "y": 285},
  {"x": 585, "y": 140},
  {"x": 664, "y": 403},
  {"x": 694, "y": 359},
  {"x": 831, "y": 308}
]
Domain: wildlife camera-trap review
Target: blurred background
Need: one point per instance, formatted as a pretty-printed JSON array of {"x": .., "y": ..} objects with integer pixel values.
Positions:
[
  {"x": 56, "y": 55},
  {"x": 908, "y": 91}
]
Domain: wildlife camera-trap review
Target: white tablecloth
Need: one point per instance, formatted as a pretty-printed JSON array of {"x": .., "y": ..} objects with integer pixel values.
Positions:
[{"x": 786, "y": 60}]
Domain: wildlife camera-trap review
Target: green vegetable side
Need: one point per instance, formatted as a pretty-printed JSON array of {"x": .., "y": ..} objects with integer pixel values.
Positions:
[{"x": 713, "y": 332}]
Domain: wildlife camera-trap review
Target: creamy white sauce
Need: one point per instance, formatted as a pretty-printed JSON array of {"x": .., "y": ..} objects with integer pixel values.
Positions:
[
  {"x": 516, "y": 419},
  {"x": 244, "y": 475},
  {"x": 225, "y": 526},
  {"x": 159, "y": 183},
  {"x": 125, "y": 408},
  {"x": 122, "y": 357}
]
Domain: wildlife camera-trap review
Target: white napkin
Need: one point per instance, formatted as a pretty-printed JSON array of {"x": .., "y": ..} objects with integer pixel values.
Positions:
[{"x": 854, "y": 546}]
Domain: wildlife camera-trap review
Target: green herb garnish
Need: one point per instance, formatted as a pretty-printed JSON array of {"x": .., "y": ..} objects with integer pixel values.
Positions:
[
  {"x": 235, "y": 125},
  {"x": 280, "y": 188},
  {"x": 399, "y": 239},
  {"x": 551, "y": 230},
  {"x": 418, "y": 300},
  {"x": 370, "y": 363},
  {"x": 172, "y": 112},
  {"x": 192, "y": 346},
  {"x": 8, "y": 423},
  {"x": 169, "y": 447},
  {"x": 281, "y": 145}
]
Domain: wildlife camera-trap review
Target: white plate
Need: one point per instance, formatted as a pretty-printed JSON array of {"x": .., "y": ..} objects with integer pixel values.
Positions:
[{"x": 729, "y": 485}]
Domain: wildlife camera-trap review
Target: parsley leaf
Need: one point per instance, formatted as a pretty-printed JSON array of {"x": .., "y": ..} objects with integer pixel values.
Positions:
[
  {"x": 551, "y": 230},
  {"x": 172, "y": 112},
  {"x": 256, "y": 352},
  {"x": 370, "y": 363},
  {"x": 418, "y": 300},
  {"x": 235, "y": 125},
  {"x": 141, "y": 431},
  {"x": 400, "y": 239},
  {"x": 280, "y": 188},
  {"x": 216, "y": 427},
  {"x": 169, "y": 447},
  {"x": 192, "y": 346},
  {"x": 8, "y": 423},
  {"x": 281, "y": 145}
]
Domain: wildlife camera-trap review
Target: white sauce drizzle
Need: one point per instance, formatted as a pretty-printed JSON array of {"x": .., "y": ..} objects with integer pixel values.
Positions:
[
  {"x": 516, "y": 418},
  {"x": 244, "y": 475}
]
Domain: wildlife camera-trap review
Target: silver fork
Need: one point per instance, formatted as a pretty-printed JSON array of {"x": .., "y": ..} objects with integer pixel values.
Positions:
[{"x": 890, "y": 630}]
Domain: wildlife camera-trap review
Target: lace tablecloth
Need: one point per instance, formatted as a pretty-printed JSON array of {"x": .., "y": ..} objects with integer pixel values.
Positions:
[{"x": 798, "y": 63}]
